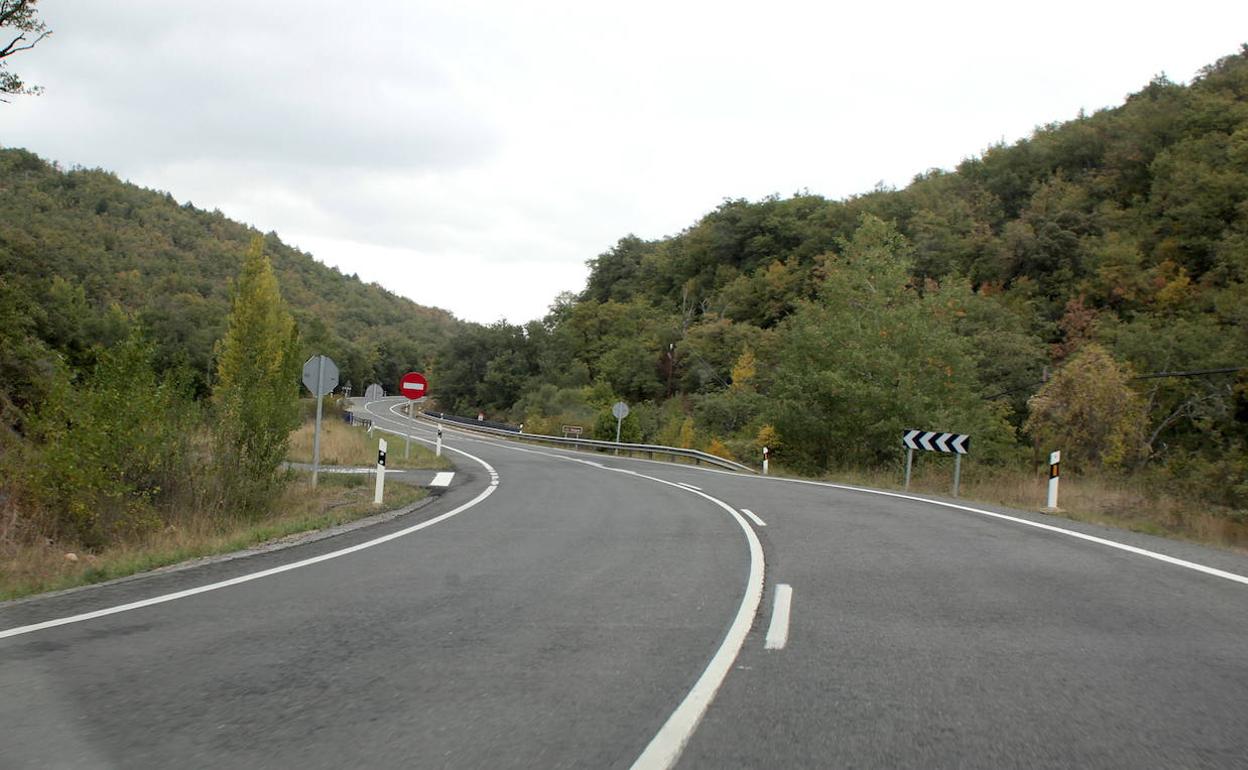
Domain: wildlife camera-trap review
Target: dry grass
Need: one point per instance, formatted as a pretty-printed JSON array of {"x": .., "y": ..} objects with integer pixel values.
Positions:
[
  {"x": 1110, "y": 502},
  {"x": 34, "y": 568},
  {"x": 343, "y": 444}
]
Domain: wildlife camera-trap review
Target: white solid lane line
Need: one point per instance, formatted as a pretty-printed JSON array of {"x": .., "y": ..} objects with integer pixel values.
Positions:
[
  {"x": 442, "y": 479},
  {"x": 778, "y": 631},
  {"x": 666, "y": 746},
  {"x": 754, "y": 517},
  {"x": 696, "y": 489}
]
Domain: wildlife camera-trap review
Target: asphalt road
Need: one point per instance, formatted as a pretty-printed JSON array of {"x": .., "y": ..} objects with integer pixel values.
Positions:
[{"x": 580, "y": 614}]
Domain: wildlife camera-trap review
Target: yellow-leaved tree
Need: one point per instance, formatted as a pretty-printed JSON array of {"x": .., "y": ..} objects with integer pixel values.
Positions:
[
  {"x": 1089, "y": 412},
  {"x": 257, "y": 389}
]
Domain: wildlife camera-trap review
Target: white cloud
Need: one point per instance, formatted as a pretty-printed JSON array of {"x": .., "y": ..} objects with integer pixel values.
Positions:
[{"x": 500, "y": 145}]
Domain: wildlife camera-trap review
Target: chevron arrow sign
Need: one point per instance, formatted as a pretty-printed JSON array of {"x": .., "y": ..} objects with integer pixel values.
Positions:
[{"x": 934, "y": 441}]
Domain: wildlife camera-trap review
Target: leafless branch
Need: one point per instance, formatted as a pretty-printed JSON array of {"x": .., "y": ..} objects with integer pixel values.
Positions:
[{"x": 9, "y": 50}]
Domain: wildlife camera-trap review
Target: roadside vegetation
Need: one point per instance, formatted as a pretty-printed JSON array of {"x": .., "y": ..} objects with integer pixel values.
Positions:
[
  {"x": 116, "y": 467},
  {"x": 1146, "y": 506},
  {"x": 34, "y": 567},
  {"x": 352, "y": 447}
]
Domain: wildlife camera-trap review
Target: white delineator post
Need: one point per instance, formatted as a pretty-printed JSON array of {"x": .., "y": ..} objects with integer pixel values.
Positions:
[
  {"x": 766, "y": 452},
  {"x": 381, "y": 471},
  {"x": 1055, "y": 460},
  {"x": 438, "y": 451}
]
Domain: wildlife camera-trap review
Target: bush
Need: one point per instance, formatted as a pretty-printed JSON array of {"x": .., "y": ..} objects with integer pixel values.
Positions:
[{"x": 109, "y": 448}]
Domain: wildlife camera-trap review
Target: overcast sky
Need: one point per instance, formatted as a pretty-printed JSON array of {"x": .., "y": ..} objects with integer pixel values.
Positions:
[{"x": 472, "y": 156}]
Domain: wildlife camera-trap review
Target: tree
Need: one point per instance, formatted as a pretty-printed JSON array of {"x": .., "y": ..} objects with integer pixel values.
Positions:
[
  {"x": 1089, "y": 412},
  {"x": 870, "y": 358},
  {"x": 257, "y": 388},
  {"x": 22, "y": 17}
]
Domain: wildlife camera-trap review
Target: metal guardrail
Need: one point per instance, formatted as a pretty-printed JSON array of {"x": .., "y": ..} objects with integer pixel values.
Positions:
[
  {"x": 470, "y": 422},
  {"x": 578, "y": 443}
]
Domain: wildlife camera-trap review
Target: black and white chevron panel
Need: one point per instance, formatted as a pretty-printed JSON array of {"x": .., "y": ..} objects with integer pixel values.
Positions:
[{"x": 934, "y": 441}]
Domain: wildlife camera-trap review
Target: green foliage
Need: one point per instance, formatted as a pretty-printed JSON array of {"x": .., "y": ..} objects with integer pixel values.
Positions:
[
  {"x": 605, "y": 423},
  {"x": 870, "y": 358},
  {"x": 83, "y": 246},
  {"x": 107, "y": 449},
  {"x": 255, "y": 398},
  {"x": 484, "y": 369}
]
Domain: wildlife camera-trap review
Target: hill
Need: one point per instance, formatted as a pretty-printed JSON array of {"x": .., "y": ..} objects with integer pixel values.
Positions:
[
  {"x": 830, "y": 326},
  {"x": 83, "y": 255}
]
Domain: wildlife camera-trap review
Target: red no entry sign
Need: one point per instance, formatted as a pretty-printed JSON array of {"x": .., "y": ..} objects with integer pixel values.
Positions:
[{"x": 413, "y": 385}]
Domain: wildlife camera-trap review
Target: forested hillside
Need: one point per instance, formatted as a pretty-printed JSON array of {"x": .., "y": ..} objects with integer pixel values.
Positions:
[
  {"x": 1097, "y": 251},
  {"x": 83, "y": 256}
]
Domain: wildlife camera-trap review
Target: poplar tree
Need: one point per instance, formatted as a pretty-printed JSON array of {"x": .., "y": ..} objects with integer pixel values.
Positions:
[{"x": 257, "y": 389}]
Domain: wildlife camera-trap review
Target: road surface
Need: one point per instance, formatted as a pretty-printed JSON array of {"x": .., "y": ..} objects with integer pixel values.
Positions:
[{"x": 555, "y": 609}]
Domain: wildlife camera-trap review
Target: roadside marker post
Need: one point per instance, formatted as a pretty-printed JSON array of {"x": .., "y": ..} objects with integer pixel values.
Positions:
[
  {"x": 620, "y": 410},
  {"x": 1055, "y": 461},
  {"x": 381, "y": 471},
  {"x": 414, "y": 387},
  {"x": 766, "y": 452},
  {"x": 438, "y": 450},
  {"x": 956, "y": 444},
  {"x": 320, "y": 377},
  {"x": 316, "y": 435}
]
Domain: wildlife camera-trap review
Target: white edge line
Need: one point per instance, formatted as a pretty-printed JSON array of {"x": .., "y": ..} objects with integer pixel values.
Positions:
[
  {"x": 690, "y": 486},
  {"x": 20, "y": 630},
  {"x": 1005, "y": 517},
  {"x": 754, "y": 517},
  {"x": 665, "y": 747},
  {"x": 778, "y": 631}
]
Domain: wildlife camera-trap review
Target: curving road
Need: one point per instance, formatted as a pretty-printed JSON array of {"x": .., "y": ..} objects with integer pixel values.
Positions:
[{"x": 561, "y": 610}]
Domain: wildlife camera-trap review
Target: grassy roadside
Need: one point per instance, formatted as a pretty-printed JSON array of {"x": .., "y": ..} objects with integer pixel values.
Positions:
[
  {"x": 1103, "y": 501},
  {"x": 1123, "y": 504},
  {"x": 343, "y": 444},
  {"x": 36, "y": 568}
]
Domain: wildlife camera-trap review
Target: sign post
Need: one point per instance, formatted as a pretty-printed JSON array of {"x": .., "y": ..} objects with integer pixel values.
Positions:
[
  {"x": 381, "y": 471},
  {"x": 620, "y": 410},
  {"x": 1055, "y": 461},
  {"x": 414, "y": 386},
  {"x": 956, "y": 444},
  {"x": 320, "y": 376}
]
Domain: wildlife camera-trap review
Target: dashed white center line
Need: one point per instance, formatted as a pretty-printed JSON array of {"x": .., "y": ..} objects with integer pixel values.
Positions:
[
  {"x": 778, "y": 632},
  {"x": 754, "y": 517}
]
